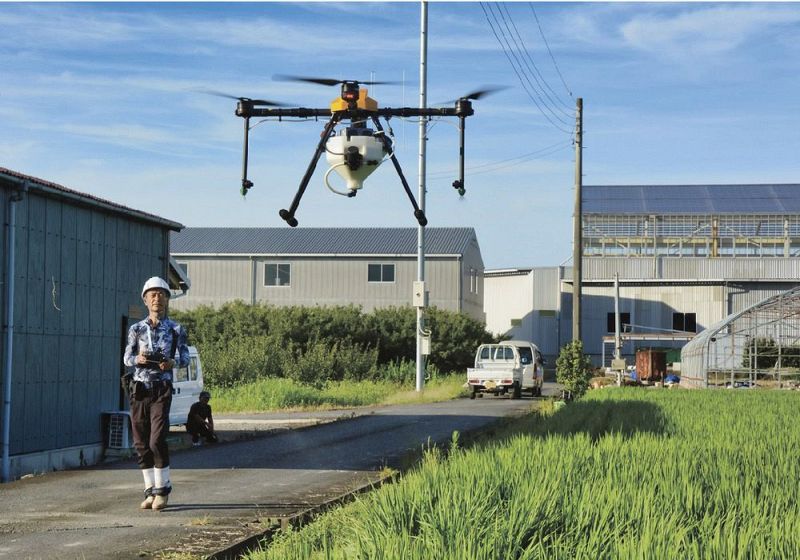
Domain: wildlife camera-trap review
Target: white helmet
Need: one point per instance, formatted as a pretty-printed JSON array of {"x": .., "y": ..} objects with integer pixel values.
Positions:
[{"x": 156, "y": 282}]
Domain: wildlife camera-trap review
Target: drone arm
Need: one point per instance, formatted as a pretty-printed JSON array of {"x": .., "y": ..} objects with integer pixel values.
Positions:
[
  {"x": 246, "y": 184},
  {"x": 288, "y": 215},
  {"x": 419, "y": 214},
  {"x": 458, "y": 184}
]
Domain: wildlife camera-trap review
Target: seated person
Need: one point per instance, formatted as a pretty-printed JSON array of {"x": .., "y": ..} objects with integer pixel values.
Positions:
[{"x": 200, "y": 423}]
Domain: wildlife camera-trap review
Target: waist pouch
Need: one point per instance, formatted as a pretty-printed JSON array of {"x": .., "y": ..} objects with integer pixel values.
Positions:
[{"x": 141, "y": 389}]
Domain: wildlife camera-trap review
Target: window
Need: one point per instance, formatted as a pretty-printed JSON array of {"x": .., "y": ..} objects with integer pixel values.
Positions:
[
  {"x": 188, "y": 373},
  {"x": 380, "y": 273},
  {"x": 684, "y": 322},
  {"x": 624, "y": 322},
  {"x": 473, "y": 281},
  {"x": 277, "y": 274},
  {"x": 486, "y": 353}
]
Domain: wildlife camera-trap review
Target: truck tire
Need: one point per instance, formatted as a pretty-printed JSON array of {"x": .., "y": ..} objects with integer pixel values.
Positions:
[{"x": 516, "y": 392}]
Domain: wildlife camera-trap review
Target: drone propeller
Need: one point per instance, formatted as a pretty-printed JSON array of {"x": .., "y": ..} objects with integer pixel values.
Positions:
[
  {"x": 478, "y": 94},
  {"x": 246, "y": 99},
  {"x": 326, "y": 81}
]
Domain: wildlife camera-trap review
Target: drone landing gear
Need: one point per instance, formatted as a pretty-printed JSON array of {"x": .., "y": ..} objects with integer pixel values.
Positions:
[
  {"x": 288, "y": 214},
  {"x": 418, "y": 213}
]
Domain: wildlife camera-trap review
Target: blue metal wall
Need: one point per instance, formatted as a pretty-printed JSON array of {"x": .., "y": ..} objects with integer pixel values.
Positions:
[{"x": 78, "y": 271}]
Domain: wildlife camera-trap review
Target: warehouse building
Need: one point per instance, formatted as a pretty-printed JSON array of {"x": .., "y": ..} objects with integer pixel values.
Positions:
[
  {"x": 686, "y": 256},
  {"x": 368, "y": 267},
  {"x": 73, "y": 267}
]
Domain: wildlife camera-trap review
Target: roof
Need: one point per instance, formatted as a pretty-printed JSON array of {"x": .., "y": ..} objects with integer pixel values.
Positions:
[
  {"x": 48, "y": 188},
  {"x": 691, "y": 199},
  {"x": 507, "y": 272},
  {"x": 319, "y": 241}
]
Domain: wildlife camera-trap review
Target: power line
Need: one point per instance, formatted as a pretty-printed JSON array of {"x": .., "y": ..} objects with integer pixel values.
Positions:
[
  {"x": 548, "y": 49},
  {"x": 505, "y": 163},
  {"x": 519, "y": 76},
  {"x": 519, "y": 69},
  {"x": 541, "y": 79}
]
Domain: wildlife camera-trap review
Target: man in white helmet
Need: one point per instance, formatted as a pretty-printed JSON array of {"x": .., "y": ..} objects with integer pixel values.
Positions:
[{"x": 155, "y": 346}]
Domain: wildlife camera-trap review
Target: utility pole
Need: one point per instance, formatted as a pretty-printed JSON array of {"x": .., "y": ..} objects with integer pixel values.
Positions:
[
  {"x": 577, "y": 222},
  {"x": 617, "y": 332},
  {"x": 419, "y": 287}
]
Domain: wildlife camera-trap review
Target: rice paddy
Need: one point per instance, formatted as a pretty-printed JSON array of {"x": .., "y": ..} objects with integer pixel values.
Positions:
[{"x": 622, "y": 473}]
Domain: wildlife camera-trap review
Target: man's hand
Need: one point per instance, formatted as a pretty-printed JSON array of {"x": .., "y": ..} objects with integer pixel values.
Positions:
[
  {"x": 167, "y": 365},
  {"x": 141, "y": 359}
]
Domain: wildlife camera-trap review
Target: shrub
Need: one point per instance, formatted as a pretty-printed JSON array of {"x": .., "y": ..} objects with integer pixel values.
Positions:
[
  {"x": 573, "y": 369},
  {"x": 241, "y": 342}
]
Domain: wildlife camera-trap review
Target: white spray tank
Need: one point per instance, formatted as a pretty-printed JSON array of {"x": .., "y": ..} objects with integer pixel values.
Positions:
[{"x": 354, "y": 154}]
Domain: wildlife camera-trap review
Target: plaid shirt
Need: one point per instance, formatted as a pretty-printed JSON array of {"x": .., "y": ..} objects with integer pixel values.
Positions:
[{"x": 163, "y": 338}]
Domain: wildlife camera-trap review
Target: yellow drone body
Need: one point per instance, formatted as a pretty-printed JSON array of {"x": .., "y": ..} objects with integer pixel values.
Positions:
[{"x": 362, "y": 102}]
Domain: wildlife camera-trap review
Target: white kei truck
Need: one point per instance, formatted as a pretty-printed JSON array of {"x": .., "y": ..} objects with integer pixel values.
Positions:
[
  {"x": 187, "y": 382},
  {"x": 511, "y": 366}
]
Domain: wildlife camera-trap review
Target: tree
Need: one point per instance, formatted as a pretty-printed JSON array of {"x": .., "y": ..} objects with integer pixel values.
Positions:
[{"x": 573, "y": 369}]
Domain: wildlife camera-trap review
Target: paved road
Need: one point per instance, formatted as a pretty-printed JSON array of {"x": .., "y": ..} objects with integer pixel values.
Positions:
[{"x": 223, "y": 493}]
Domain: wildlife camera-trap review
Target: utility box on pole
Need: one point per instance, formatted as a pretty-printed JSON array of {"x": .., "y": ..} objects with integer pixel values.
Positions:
[{"x": 419, "y": 297}]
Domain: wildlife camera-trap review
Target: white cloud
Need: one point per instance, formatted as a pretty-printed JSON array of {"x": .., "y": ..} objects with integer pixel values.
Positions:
[{"x": 707, "y": 31}]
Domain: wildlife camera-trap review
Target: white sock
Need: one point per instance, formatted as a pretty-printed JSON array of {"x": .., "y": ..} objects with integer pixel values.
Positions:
[
  {"x": 149, "y": 478},
  {"x": 162, "y": 477}
]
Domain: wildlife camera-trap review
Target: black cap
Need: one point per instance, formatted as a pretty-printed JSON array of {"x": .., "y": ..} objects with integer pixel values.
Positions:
[{"x": 205, "y": 394}]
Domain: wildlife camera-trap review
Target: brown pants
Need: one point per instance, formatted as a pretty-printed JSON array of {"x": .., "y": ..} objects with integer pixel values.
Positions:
[{"x": 150, "y": 422}]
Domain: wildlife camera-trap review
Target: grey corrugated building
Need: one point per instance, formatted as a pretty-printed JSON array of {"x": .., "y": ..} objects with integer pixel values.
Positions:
[
  {"x": 686, "y": 255},
  {"x": 72, "y": 269},
  {"x": 370, "y": 267}
]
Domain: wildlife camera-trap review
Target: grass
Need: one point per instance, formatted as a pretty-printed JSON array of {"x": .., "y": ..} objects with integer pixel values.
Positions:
[
  {"x": 623, "y": 473},
  {"x": 273, "y": 394}
]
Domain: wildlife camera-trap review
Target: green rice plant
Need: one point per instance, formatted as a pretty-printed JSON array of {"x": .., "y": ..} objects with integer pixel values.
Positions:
[{"x": 623, "y": 473}]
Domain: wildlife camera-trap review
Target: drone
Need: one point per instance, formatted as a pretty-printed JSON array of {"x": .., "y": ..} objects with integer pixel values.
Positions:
[{"x": 357, "y": 150}]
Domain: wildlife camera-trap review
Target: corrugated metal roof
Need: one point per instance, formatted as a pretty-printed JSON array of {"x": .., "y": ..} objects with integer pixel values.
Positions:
[
  {"x": 54, "y": 189},
  {"x": 326, "y": 241},
  {"x": 691, "y": 199}
]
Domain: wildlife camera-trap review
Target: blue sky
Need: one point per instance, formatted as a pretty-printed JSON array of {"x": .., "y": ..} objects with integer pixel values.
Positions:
[{"x": 102, "y": 98}]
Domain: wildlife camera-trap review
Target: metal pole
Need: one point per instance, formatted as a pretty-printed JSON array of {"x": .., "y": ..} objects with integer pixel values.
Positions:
[
  {"x": 423, "y": 126},
  {"x": 9, "y": 344},
  {"x": 577, "y": 232}
]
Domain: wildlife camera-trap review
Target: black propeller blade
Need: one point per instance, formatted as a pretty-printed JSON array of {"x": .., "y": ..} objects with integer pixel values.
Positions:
[
  {"x": 484, "y": 92},
  {"x": 325, "y": 81},
  {"x": 475, "y": 95},
  {"x": 249, "y": 100}
]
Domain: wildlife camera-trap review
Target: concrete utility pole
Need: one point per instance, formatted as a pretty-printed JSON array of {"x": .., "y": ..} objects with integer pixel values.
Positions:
[
  {"x": 577, "y": 232},
  {"x": 423, "y": 130}
]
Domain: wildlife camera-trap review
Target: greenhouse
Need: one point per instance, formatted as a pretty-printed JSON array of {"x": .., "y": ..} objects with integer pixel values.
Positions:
[{"x": 759, "y": 345}]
